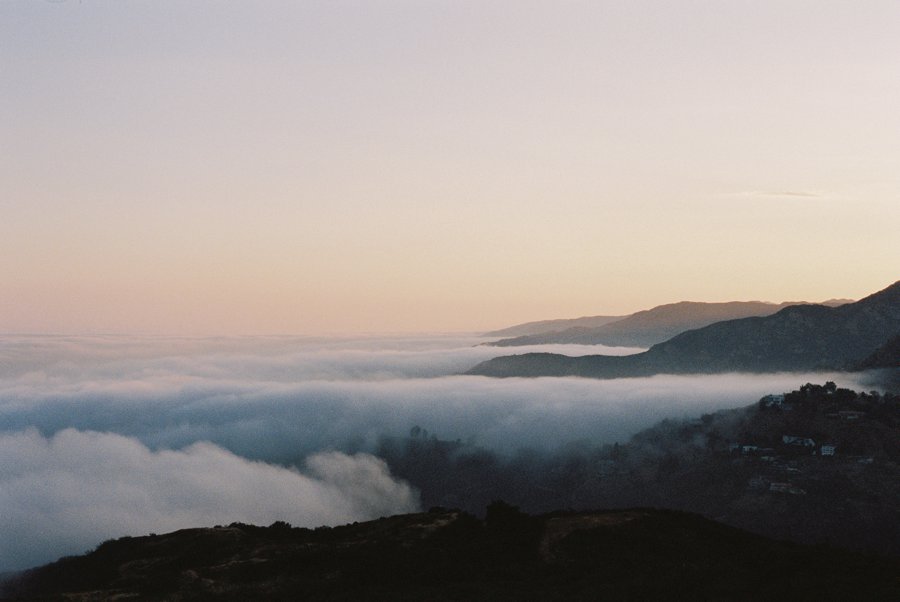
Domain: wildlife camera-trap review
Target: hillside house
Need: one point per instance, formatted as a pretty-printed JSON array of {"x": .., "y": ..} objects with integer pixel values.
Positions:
[
  {"x": 786, "y": 488},
  {"x": 774, "y": 402},
  {"x": 850, "y": 415},
  {"x": 803, "y": 442},
  {"x": 827, "y": 449},
  {"x": 758, "y": 483},
  {"x": 745, "y": 449}
]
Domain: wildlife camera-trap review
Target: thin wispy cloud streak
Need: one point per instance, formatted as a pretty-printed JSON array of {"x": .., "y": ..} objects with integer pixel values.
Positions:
[{"x": 798, "y": 195}]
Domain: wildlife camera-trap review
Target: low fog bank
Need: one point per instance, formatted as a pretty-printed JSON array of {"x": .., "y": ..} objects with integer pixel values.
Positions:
[
  {"x": 270, "y": 359},
  {"x": 66, "y": 494},
  {"x": 256, "y": 398},
  {"x": 107, "y": 436},
  {"x": 279, "y": 422}
]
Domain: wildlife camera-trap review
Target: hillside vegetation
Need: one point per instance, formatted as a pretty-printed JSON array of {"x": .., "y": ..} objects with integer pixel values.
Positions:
[
  {"x": 722, "y": 465},
  {"x": 818, "y": 465},
  {"x": 637, "y": 554}
]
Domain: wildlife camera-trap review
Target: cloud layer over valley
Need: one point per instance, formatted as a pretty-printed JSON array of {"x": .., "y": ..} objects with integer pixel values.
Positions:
[{"x": 109, "y": 436}]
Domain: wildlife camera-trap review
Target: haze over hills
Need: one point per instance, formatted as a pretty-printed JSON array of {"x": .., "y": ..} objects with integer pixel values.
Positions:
[
  {"x": 884, "y": 363},
  {"x": 548, "y": 326},
  {"x": 644, "y": 328},
  {"x": 798, "y": 337},
  {"x": 700, "y": 464}
]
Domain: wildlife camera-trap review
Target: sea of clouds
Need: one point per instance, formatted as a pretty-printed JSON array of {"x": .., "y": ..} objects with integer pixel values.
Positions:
[{"x": 108, "y": 436}]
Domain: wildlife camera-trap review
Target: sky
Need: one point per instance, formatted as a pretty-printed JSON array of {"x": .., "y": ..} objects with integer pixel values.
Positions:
[{"x": 213, "y": 168}]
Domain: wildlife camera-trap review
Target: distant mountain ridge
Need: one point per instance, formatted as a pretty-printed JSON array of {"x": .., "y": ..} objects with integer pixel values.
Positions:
[
  {"x": 798, "y": 337},
  {"x": 648, "y": 327},
  {"x": 547, "y": 326}
]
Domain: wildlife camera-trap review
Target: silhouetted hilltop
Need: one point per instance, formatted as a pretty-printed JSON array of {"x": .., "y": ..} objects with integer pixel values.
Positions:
[
  {"x": 638, "y": 554},
  {"x": 798, "y": 337}
]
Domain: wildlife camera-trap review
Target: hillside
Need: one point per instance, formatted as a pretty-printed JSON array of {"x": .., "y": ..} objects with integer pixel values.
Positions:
[
  {"x": 886, "y": 356},
  {"x": 843, "y": 487},
  {"x": 450, "y": 555},
  {"x": 798, "y": 337},
  {"x": 819, "y": 464}
]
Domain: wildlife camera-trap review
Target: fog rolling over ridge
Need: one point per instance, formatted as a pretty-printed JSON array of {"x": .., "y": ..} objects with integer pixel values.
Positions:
[
  {"x": 64, "y": 494},
  {"x": 109, "y": 436}
]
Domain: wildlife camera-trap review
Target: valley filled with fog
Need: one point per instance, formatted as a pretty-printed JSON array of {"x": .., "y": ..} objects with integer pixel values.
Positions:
[{"x": 108, "y": 436}]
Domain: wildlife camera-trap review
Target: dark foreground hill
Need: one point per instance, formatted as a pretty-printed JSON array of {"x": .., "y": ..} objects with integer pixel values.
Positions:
[
  {"x": 799, "y": 337},
  {"x": 636, "y": 554}
]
